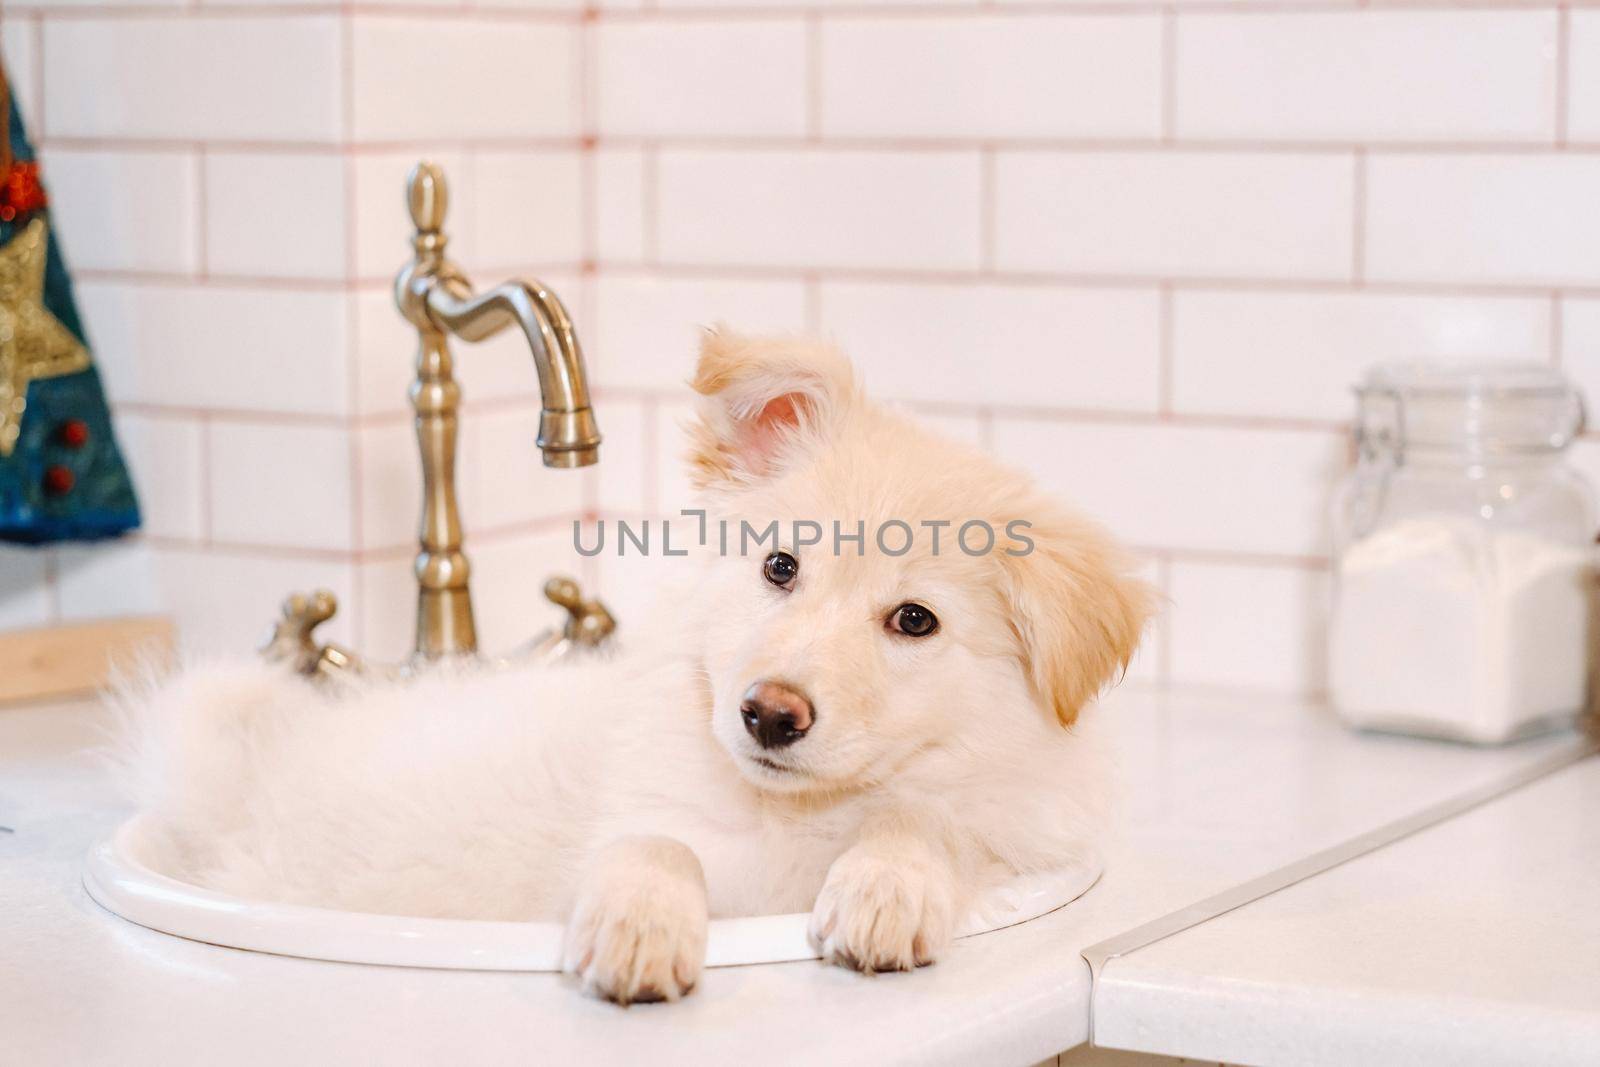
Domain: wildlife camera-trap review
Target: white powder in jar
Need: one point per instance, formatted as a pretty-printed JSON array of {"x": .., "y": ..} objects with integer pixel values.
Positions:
[{"x": 1449, "y": 627}]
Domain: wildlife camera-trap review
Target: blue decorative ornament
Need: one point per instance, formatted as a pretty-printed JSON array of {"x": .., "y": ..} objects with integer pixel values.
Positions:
[{"x": 62, "y": 476}]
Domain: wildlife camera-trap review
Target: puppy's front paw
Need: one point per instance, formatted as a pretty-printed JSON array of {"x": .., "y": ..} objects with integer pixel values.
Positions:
[
  {"x": 638, "y": 935},
  {"x": 881, "y": 913}
]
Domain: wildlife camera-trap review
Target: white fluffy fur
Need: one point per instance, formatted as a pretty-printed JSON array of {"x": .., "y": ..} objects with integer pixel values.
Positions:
[{"x": 622, "y": 795}]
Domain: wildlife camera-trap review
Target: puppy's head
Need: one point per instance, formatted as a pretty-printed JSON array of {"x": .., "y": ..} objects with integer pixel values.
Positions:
[{"x": 881, "y": 592}]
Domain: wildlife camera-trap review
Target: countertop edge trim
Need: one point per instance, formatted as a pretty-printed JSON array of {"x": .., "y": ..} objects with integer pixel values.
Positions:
[{"x": 1208, "y": 908}]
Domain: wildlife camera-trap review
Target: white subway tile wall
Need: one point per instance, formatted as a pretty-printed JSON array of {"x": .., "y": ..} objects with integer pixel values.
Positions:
[
  {"x": 1174, "y": 213},
  {"x": 1580, "y": 344},
  {"x": 700, "y": 77},
  {"x": 1053, "y": 347},
  {"x": 210, "y": 344},
  {"x": 618, "y": 187},
  {"x": 275, "y": 214},
  {"x": 1141, "y": 253},
  {"x": 28, "y": 590},
  {"x": 1369, "y": 75},
  {"x": 1484, "y": 219},
  {"x": 224, "y": 598},
  {"x": 522, "y": 209},
  {"x": 994, "y": 76},
  {"x": 108, "y": 581},
  {"x": 647, "y": 324},
  {"x": 1183, "y": 487},
  {"x": 622, "y": 482},
  {"x": 190, "y": 76},
  {"x": 106, "y": 217},
  {"x": 799, "y": 207},
  {"x": 1294, "y": 355},
  {"x": 168, "y": 453},
  {"x": 20, "y": 50},
  {"x": 1583, "y": 52},
  {"x": 1257, "y": 624},
  {"x": 449, "y": 76},
  {"x": 390, "y": 486},
  {"x": 503, "y": 480},
  {"x": 265, "y": 479}
]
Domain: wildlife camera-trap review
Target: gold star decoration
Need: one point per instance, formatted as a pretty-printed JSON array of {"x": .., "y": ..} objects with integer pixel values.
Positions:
[{"x": 34, "y": 344}]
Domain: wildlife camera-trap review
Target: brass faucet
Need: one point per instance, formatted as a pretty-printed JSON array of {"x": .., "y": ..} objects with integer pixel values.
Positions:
[{"x": 436, "y": 298}]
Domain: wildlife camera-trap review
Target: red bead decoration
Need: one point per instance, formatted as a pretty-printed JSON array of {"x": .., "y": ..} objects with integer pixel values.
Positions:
[
  {"x": 74, "y": 433},
  {"x": 58, "y": 480},
  {"x": 20, "y": 191}
]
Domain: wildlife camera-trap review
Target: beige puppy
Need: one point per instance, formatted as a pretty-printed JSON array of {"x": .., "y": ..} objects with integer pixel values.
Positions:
[{"x": 876, "y": 730}]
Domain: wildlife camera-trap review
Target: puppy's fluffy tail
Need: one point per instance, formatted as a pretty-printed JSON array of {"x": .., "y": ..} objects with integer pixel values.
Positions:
[{"x": 186, "y": 747}]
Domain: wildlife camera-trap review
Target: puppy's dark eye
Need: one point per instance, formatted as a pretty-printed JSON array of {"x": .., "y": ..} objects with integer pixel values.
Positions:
[
  {"x": 780, "y": 569},
  {"x": 913, "y": 620}
]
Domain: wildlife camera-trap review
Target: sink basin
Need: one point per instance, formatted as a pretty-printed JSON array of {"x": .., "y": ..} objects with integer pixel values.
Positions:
[{"x": 120, "y": 876}]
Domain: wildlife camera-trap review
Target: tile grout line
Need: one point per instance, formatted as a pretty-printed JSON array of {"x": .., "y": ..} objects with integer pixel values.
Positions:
[
  {"x": 1557, "y": 328},
  {"x": 588, "y": 47},
  {"x": 1075, "y": 144},
  {"x": 1358, "y": 235},
  {"x": 290, "y": 146},
  {"x": 1164, "y": 654},
  {"x": 1169, "y": 74},
  {"x": 650, "y": 183},
  {"x": 649, "y": 10},
  {"x": 988, "y": 209},
  {"x": 588, "y": 153},
  {"x": 529, "y": 402},
  {"x": 379, "y": 553},
  {"x": 36, "y": 29},
  {"x": 202, "y": 231},
  {"x": 1133, "y": 142},
  {"x": 206, "y": 524},
  {"x": 911, "y": 276},
  {"x": 1166, "y": 371},
  {"x": 589, "y": 509},
  {"x": 1563, "y": 72},
  {"x": 1208, "y": 557},
  {"x": 51, "y": 573},
  {"x": 355, "y": 611},
  {"x": 650, "y": 418},
  {"x": 813, "y": 75},
  {"x": 265, "y": 10}
]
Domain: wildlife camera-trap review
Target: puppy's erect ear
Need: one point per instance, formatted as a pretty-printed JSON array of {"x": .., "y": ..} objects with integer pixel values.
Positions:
[
  {"x": 763, "y": 400},
  {"x": 1077, "y": 612}
]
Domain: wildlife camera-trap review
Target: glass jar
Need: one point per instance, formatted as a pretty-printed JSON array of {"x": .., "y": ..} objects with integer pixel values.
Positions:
[{"x": 1463, "y": 554}]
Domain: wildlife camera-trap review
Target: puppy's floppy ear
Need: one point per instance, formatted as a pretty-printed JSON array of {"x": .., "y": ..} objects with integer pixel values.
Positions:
[
  {"x": 1076, "y": 611},
  {"x": 763, "y": 399}
]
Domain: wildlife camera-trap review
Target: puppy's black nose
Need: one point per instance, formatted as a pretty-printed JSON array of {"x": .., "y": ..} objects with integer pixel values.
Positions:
[{"x": 775, "y": 714}]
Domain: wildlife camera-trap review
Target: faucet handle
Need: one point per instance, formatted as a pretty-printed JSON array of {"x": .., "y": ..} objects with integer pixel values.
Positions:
[
  {"x": 291, "y": 639},
  {"x": 589, "y": 622},
  {"x": 427, "y": 196}
]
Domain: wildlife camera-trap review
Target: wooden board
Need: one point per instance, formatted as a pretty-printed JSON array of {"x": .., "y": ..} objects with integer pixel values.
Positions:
[{"x": 63, "y": 660}]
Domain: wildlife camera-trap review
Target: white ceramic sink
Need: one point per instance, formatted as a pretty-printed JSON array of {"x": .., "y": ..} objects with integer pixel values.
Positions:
[{"x": 121, "y": 878}]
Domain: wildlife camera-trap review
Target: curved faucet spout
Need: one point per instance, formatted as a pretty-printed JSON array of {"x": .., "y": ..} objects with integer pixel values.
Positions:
[
  {"x": 568, "y": 436},
  {"x": 436, "y": 298}
]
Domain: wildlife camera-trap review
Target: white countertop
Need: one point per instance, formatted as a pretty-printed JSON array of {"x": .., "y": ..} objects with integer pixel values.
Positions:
[
  {"x": 1474, "y": 942},
  {"x": 1219, "y": 789}
]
